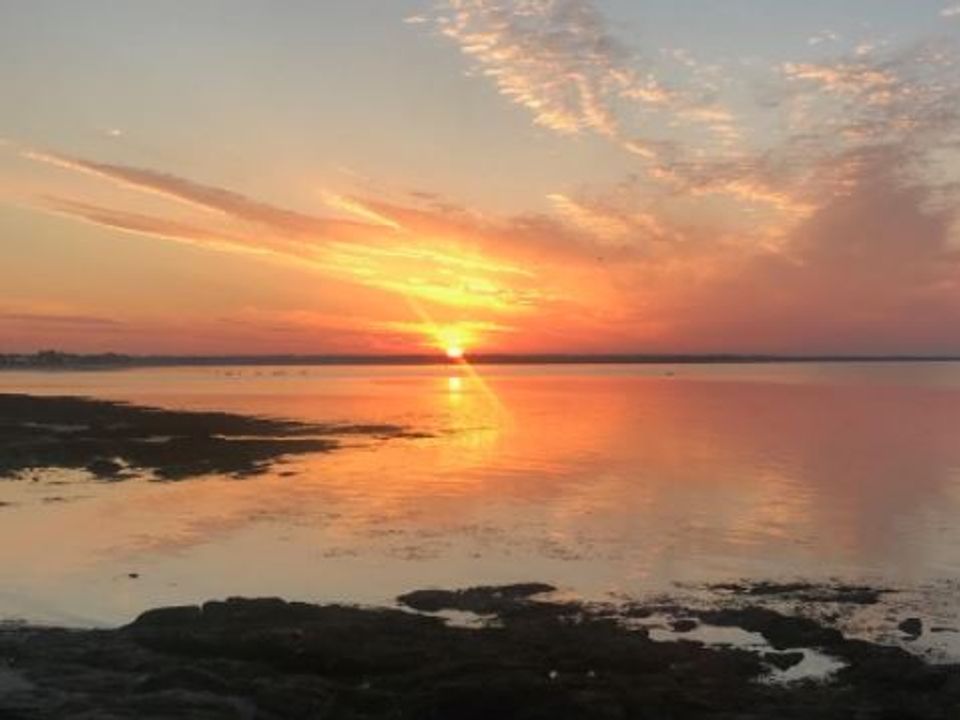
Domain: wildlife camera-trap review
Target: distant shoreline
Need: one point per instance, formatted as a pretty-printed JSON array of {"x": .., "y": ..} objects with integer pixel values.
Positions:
[{"x": 110, "y": 361}]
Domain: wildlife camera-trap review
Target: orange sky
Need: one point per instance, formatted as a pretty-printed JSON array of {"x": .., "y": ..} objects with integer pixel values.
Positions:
[{"x": 527, "y": 176}]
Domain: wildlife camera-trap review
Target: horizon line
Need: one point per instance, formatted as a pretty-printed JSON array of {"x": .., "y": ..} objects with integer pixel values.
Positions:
[{"x": 52, "y": 358}]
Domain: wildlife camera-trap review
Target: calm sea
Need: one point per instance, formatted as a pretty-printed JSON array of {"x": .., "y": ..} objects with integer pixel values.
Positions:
[{"x": 598, "y": 479}]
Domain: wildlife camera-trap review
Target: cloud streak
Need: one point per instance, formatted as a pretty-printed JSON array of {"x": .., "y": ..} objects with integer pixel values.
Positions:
[
  {"x": 433, "y": 255},
  {"x": 206, "y": 197},
  {"x": 59, "y": 320}
]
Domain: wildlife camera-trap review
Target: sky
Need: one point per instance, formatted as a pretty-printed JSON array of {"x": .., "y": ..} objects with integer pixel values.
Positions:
[{"x": 362, "y": 176}]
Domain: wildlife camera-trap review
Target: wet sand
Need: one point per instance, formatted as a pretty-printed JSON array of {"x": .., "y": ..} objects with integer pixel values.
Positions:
[{"x": 525, "y": 655}]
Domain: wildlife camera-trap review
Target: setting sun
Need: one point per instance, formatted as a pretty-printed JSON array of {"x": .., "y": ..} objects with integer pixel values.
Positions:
[{"x": 452, "y": 339}]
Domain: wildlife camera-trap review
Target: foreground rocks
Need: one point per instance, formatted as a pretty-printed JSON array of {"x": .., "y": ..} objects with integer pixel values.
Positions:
[{"x": 270, "y": 659}]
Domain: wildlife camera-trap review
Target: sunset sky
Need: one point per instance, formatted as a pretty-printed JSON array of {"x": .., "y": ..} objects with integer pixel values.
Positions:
[{"x": 365, "y": 176}]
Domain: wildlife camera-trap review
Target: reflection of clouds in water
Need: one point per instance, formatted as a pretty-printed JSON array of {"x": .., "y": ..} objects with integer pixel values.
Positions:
[
  {"x": 684, "y": 470},
  {"x": 572, "y": 475}
]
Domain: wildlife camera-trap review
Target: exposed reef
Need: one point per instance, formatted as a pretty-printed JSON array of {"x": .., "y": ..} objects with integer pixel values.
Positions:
[
  {"x": 114, "y": 440},
  {"x": 533, "y": 658},
  {"x": 807, "y": 592}
]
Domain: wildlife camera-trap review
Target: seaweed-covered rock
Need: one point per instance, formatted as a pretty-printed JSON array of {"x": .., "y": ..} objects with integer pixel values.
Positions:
[
  {"x": 483, "y": 600},
  {"x": 783, "y": 632}
]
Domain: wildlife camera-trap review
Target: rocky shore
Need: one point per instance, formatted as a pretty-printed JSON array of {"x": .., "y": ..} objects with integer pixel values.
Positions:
[{"x": 527, "y": 656}]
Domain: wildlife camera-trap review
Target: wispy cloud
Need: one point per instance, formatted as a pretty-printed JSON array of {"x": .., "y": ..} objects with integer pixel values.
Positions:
[
  {"x": 825, "y": 36},
  {"x": 198, "y": 195},
  {"x": 417, "y": 253},
  {"x": 874, "y": 85},
  {"x": 28, "y": 326},
  {"x": 150, "y": 225},
  {"x": 614, "y": 225},
  {"x": 555, "y": 58},
  {"x": 875, "y": 270},
  {"x": 59, "y": 320},
  {"x": 559, "y": 60}
]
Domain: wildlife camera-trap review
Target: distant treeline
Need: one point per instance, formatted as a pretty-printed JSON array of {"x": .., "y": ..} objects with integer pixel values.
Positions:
[
  {"x": 56, "y": 359},
  {"x": 53, "y": 359}
]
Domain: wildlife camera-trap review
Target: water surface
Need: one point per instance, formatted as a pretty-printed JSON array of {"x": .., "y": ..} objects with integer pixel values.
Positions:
[{"x": 598, "y": 479}]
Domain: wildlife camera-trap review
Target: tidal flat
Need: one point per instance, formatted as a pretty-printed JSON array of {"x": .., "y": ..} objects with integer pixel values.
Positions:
[{"x": 116, "y": 441}]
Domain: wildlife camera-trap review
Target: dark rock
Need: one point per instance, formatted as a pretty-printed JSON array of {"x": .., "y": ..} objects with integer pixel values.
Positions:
[
  {"x": 105, "y": 468},
  {"x": 296, "y": 697},
  {"x": 481, "y": 600},
  {"x": 783, "y": 660},
  {"x": 684, "y": 625},
  {"x": 912, "y": 627},
  {"x": 781, "y": 631},
  {"x": 638, "y": 612},
  {"x": 184, "y": 678},
  {"x": 168, "y": 616},
  {"x": 191, "y": 704},
  {"x": 808, "y": 592}
]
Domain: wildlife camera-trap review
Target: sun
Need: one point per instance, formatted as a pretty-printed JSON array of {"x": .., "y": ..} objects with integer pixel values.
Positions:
[{"x": 452, "y": 340}]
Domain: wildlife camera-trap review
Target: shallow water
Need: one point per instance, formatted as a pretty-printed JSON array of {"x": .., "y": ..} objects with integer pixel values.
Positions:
[{"x": 598, "y": 479}]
